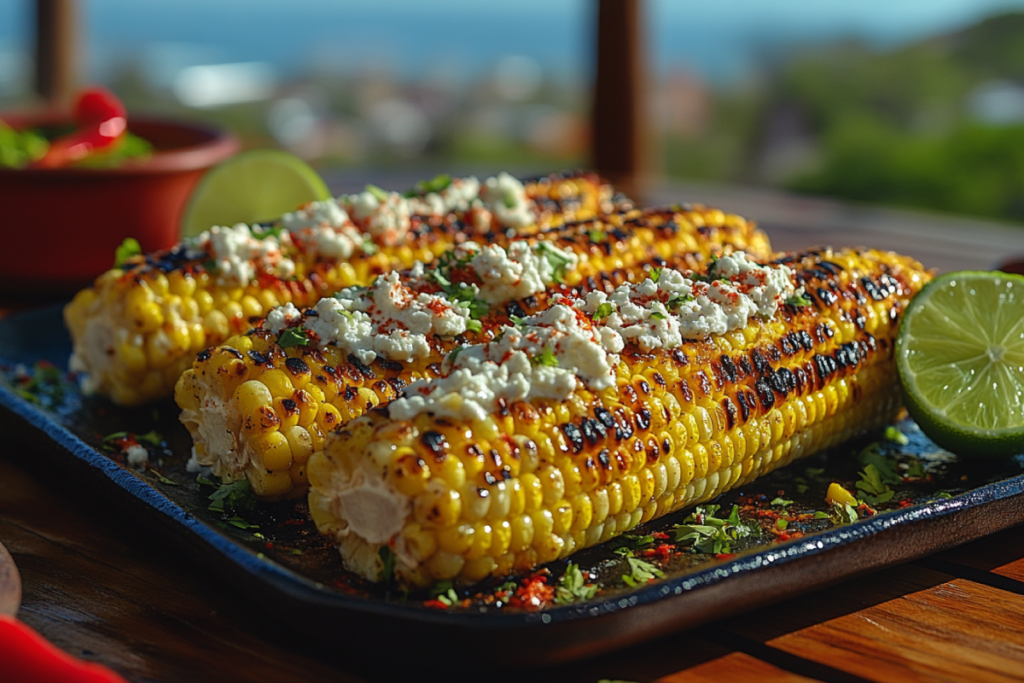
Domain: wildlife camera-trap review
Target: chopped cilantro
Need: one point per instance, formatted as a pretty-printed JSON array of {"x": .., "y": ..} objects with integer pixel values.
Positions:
[
  {"x": 874, "y": 489},
  {"x": 235, "y": 496},
  {"x": 517, "y": 321},
  {"x": 916, "y": 470},
  {"x": 558, "y": 259},
  {"x": 378, "y": 193},
  {"x": 798, "y": 300},
  {"x": 872, "y": 455},
  {"x": 129, "y": 247},
  {"x": 598, "y": 236},
  {"x": 293, "y": 336},
  {"x": 818, "y": 514},
  {"x": 546, "y": 357},
  {"x": 387, "y": 557},
  {"x": 813, "y": 472},
  {"x": 44, "y": 385},
  {"x": 152, "y": 437},
  {"x": 782, "y": 502},
  {"x": 603, "y": 311},
  {"x": 241, "y": 523},
  {"x": 437, "y": 276},
  {"x": 474, "y": 326},
  {"x": 455, "y": 353},
  {"x": 640, "y": 572},
  {"x": 708, "y": 534},
  {"x": 164, "y": 480},
  {"x": 572, "y": 586},
  {"x": 656, "y": 315},
  {"x": 203, "y": 481},
  {"x": 436, "y": 184},
  {"x": 943, "y": 495},
  {"x": 370, "y": 247},
  {"x": 844, "y": 513},
  {"x": 655, "y": 274},
  {"x": 274, "y": 231},
  {"x": 781, "y": 524},
  {"x": 677, "y": 301},
  {"x": 295, "y": 551},
  {"x": 893, "y": 433},
  {"x": 444, "y": 592}
]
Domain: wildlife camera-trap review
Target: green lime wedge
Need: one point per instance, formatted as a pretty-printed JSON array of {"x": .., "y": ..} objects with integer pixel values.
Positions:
[
  {"x": 960, "y": 355},
  {"x": 252, "y": 187}
]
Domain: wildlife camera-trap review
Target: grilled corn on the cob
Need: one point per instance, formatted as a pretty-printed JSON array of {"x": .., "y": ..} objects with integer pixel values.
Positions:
[
  {"x": 259, "y": 410},
  {"x": 140, "y": 325},
  {"x": 471, "y": 475}
]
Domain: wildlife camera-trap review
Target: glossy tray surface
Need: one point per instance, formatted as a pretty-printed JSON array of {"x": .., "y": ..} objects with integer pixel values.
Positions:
[{"x": 273, "y": 555}]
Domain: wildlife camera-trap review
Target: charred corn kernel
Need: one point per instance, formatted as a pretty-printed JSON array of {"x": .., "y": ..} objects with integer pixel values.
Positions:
[
  {"x": 278, "y": 383},
  {"x": 714, "y": 434},
  {"x": 300, "y": 443},
  {"x": 270, "y": 485},
  {"x": 272, "y": 451},
  {"x": 252, "y": 395}
]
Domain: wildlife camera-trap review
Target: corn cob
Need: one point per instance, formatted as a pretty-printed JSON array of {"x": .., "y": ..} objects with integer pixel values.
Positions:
[
  {"x": 139, "y": 327},
  {"x": 258, "y": 410},
  {"x": 463, "y": 496}
]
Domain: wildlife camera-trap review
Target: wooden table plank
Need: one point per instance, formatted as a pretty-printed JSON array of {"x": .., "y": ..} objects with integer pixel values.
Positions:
[
  {"x": 737, "y": 666},
  {"x": 999, "y": 554},
  {"x": 957, "y": 631}
]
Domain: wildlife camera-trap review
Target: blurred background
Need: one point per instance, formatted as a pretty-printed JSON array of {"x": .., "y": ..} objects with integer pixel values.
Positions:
[{"x": 896, "y": 102}]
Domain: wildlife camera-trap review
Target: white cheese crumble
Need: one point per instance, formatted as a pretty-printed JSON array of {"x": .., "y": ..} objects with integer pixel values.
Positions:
[
  {"x": 137, "y": 455},
  {"x": 517, "y": 273},
  {"x": 387, "y": 221},
  {"x": 239, "y": 255},
  {"x": 541, "y": 359},
  {"x": 662, "y": 314},
  {"x": 506, "y": 198},
  {"x": 387, "y": 319}
]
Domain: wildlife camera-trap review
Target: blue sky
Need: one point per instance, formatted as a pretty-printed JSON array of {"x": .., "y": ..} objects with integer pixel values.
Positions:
[{"x": 719, "y": 40}]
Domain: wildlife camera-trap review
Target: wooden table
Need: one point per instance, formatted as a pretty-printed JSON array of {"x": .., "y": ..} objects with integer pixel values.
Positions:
[{"x": 97, "y": 586}]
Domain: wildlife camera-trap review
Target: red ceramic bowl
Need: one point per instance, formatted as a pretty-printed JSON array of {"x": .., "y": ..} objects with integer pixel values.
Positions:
[{"x": 60, "y": 227}]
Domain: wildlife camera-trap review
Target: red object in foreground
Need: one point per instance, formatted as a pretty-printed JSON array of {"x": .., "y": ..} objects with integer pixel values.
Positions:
[
  {"x": 26, "y": 657},
  {"x": 62, "y": 225}
]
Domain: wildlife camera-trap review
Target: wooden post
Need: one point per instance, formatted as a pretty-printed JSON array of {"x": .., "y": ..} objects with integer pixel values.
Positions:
[
  {"x": 619, "y": 115},
  {"x": 55, "y": 50}
]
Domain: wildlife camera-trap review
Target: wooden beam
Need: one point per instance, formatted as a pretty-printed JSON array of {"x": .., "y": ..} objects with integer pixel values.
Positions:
[
  {"x": 619, "y": 116},
  {"x": 56, "y": 50}
]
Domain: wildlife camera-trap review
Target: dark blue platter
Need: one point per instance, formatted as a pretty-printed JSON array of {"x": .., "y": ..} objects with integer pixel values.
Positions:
[{"x": 276, "y": 559}]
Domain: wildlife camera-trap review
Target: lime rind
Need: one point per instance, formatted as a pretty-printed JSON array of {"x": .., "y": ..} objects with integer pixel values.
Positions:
[
  {"x": 960, "y": 355},
  {"x": 255, "y": 186}
]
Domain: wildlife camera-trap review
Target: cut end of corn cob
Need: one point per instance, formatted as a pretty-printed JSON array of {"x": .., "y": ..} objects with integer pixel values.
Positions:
[
  {"x": 535, "y": 481},
  {"x": 239, "y": 399},
  {"x": 137, "y": 329}
]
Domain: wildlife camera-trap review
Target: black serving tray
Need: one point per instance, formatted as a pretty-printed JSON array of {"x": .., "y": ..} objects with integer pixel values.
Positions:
[{"x": 280, "y": 563}]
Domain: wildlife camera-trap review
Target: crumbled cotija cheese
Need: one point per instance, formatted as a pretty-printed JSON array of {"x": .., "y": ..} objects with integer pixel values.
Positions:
[{"x": 239, "y": 255}]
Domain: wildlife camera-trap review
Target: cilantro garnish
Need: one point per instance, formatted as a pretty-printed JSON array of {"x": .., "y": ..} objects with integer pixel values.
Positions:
[
  {"x": 236, "y": 496},
  {"x": 677, "y": 301},
  {"x": 872, "y": 455},
  {"x": 598, "y": 236},
  {"x": 377, "y": 192},
  {"x": 44, "y": 385},
  {"x": 603, "y": 311},
  {"x": 370, "y": 247},
  {"x": 798, "y": 300},
  {"x": 559, "y": 261},
  {"x": 573, "y": 586},
  {"x": 474, "y": 326},
  {"x": 844, "y": 513},
  {"x": 444, "y": 592},
  {"x": 455, "y": 353},
  {"x": 782, "y": 502},
  {"x": 893, "y": 433},
  {"x": 517, "y": 321},
  {"x": 436, "y": 184},
  {"x": 708, "y": 534},
  {"x": 240, "y": 523},
  {"x": 546, "y": 357},
  {"x": 162, "y": 479},
  {"x": 129, "y": 247},
  {"x": 293, "y": 336},
  {"x": 781, "y": 524},
  {"x": 387, "y": 557},
  {"x": 874, "y": 489},
  {"x": 656, "y": 315},
  {"x": 274, "y": 231},
  {"x": 818, "y": 514},
  {"x": 655, "y": 274},
  {"x": 640, "y": 572}
]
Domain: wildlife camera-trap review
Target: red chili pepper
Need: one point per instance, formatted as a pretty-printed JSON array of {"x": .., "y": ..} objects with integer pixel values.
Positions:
[
  {"x": 28, "y": 658},
  {"x": 101, "y": 124}
]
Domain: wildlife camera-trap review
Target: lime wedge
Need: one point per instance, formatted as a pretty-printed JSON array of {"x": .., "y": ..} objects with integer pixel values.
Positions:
[
  {"x": 255, "y": 186},
  {"x": 960, "y": 355}
]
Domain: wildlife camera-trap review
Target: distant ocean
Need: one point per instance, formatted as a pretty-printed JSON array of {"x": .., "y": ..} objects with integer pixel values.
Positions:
[{"x": 720, "y": 40}]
